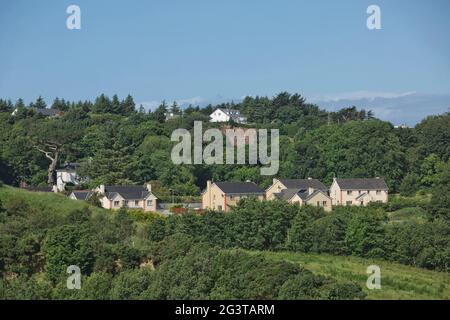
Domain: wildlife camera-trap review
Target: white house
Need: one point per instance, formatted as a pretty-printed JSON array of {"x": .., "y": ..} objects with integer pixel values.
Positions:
[
  {"x": 358, "y": 192},
  {"x": 225, "y": 115},
  {"x": 66, "y": 175},
  {"x": 133, "y": 197}
]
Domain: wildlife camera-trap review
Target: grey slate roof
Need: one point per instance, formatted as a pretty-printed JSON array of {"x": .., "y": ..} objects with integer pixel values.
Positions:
[
  {"x": 239, "y": 187},
  {"x": 287, "y": 194},
  {"x": 232, "y": 113},
  {"x": 82, "y": 195},
  {"x": 303, "y": 184},
  {"x": 127, "y": 192},
  {"x": 48, "y": 112},
  {"x": 362, "y": 184}
]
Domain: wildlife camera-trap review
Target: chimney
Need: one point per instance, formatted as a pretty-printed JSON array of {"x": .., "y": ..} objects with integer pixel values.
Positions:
[
  {"x": 310, "y": 190},
  {"x": 208, "y": 184},
  {"x": 377, "y": 178},
  {"x": 101, "y": 189},
  {"x": 274, "y": 180},
  {"x": 309, "y": 178},
  {"x": 149, "y": 187}
]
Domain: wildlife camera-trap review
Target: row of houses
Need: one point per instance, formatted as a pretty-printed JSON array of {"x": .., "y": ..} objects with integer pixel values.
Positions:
[
  {"x": 222, "y": 196},
  {"x": 343, "y": 192}
]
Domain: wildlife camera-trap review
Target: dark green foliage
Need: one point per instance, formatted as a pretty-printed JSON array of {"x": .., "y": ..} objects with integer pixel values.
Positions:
[
  {"x": 65, "y": 246},
  {"x": 410, "y": 184},
  {"x": 365, "y": 234}
]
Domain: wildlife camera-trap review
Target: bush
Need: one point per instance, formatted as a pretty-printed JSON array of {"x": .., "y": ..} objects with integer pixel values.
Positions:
[{"x": 410, "y": 185}]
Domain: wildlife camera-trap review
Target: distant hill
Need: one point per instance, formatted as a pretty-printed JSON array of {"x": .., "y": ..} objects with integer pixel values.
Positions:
[{"x": 406, "y": 109}]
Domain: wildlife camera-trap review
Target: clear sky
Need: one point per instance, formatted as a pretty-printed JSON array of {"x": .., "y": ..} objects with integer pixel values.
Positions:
[{"x": 191, "y": 49}]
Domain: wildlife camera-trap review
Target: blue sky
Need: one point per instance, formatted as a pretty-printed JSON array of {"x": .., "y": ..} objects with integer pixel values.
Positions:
[{"x": 213, "y": 50}]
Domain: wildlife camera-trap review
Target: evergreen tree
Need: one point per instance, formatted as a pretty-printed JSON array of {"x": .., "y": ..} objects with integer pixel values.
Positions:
[
  {"x": 40, "y": 103},
  {"x": 128, "y": 106},
  {"x": 116, "y": 105},
  {"x": 102, "y": 104}
]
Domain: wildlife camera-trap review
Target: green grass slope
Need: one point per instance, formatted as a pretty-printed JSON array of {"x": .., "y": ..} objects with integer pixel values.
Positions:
[
  {"x": 397, "y": 281},
  {"x": 46, "y": 200}
]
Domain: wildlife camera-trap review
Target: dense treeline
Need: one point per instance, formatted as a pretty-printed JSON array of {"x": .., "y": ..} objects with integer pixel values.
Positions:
[
  {"x": 119, "y": 143},
  {"x": 120, "y": 260},
  {"x": 276, "y": 225}
]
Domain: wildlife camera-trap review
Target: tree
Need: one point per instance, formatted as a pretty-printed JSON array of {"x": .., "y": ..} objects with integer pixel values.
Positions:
[
  {"x": 53, "y": 138},
  {"x": 5, "y": 106},
  {"x": 410, "y": 184},
  {"x": 39, "y": 104},
  {"x": 160, "y": 113},
  {"x": 175, "y": 109},
  {"x": 365, "y": 233},
  {"x": 102, "y": 104},
  {"x": 434, "y": 134},
  {"x": 439, "y": 206},
  {"x": 67, "y": 245},
  {"x": 128, "y": 106},
  {"x": 116, "y": 105}
]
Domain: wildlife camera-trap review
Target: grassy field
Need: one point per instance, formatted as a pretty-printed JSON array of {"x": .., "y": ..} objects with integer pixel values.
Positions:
[
  {"x": 45, "y": 200},
  {"x": 397, "y": 281}
]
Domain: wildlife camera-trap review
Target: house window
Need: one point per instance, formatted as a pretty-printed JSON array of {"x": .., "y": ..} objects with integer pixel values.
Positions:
[
  {"x": 231, "y": 197},
  {"x": 378, "y": 192},
  {"x": 136, "y": 203},
  {"x": 318, "y": 203},
  {"x": 349, "y": 203},
  {"x": 149, "y": 203},
  {"x": 349, "y": 192},
  {"x": 219, "y": 208},
  {"x": 125, "y": 203},
  {"x": 324, "y": 203},
  {"x": 116, "y": 203},
  {"x": 359, "y": 192}
]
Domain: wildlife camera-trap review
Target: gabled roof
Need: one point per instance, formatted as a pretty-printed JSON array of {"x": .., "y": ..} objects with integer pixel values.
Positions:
[
  {"x": 239, "y": 187},
  {"x": 303, "y": 184},
  {"x": 127, "y": 192},
  {"x": 47, "y": 112},
  {"x": 230, "y": 112},
  {"x": 69, "y": 167},
  {"x": 314, "y": 193},
  {"x": 362, "y": 184},
  {"x": 288, "y": 194},
  {"x": 82, "y": 195}
]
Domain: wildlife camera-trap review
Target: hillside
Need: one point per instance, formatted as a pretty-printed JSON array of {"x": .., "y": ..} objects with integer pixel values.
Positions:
[
  {"x": 45, "y": 200},
  {"x": 397, "y": 281}
]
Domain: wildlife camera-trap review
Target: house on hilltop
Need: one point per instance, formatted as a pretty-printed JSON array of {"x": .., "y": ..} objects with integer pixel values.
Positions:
[
  {"x": 46, "y": 112},
  {"x": 226, "y": 115},
  {"x": 222, "y": 196},
  {"x": 67, "y": 175},
  {"x": 358, "y": 192},
  {"x": 300, "y": 191}
]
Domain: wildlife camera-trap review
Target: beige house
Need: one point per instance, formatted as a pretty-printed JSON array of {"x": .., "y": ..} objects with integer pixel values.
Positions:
[
  {"x": 300, "y": 191},
  {"x": 358, "y": 192},
  {"x": 222, "y": 196},
  {"x": 132, "y": 197}
]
